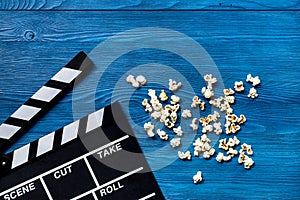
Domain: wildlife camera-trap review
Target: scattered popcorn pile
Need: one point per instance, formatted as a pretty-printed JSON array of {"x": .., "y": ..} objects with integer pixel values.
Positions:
[{"x": 168, "y": 114}]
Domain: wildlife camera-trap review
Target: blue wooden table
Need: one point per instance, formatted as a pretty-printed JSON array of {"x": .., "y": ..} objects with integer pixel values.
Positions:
[{"x": 259, "y": 37}]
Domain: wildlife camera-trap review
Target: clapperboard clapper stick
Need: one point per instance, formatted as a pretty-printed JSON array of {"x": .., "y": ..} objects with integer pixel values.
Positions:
[{"x": 96, "y": 157}]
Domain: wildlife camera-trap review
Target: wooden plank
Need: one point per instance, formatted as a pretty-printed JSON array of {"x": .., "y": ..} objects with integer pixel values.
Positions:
[
  {"x": 149, "y": 5},
  {"x": 261, "y": 43}
]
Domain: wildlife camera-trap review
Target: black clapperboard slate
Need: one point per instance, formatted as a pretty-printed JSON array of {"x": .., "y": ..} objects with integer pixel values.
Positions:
[{"x": 91, "y": 158}]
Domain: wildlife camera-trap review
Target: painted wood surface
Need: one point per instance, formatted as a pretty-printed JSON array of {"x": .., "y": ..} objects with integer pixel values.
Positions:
[
  {"x": 35, "y": 45},
  {"x": 149, "y": 5}
]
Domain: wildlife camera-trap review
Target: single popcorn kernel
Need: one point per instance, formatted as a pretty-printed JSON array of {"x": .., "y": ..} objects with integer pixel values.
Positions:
[
  {"x": 252, "y": 93},
  {"x": 178, "y": 131},
  {"x": 198, "y": 177},
  {"x": 175, "y": 142},
  {"x": 149, "y": 127},
  {"x": 163, "y": 96},
  {"x": 141, "y": 80},
  {"x": 173, "y": 85},
  {"x": 228, "y": 92},
  {"x": 239, "y": 86},
  {"x": 186, "y": 114},
  {"x": 185, "y": 156},
  {"x": 174, "y": 99},
  {"x": 162, "y": 134}
]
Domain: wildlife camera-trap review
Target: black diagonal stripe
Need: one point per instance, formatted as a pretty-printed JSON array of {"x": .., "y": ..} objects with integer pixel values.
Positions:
[
  {"x": 57, "y": 138},
  {"x": 16, "y": 121},
  {"x": 58, "y": 84},
  {"x": 33, "y": 150},
  {"x": 76, "y": 62},
  {"x": 36, "y": 103},
  {"x": 82, "y": 126}
]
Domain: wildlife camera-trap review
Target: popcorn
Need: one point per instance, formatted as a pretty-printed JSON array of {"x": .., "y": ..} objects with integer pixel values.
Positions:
[
  {"x": 232, "y": 152},
  {"x": 239, "y": 86},
  {"x": 228, "y": 92},
  {"x": 130, "y": 78},
  {"x": 173, "y": 117},
  {"x": 248, "y": 163},
  {"x": 156, "y": 115},
  {"x": 252, "y": 93},
  {"x": 242, "y": 157},
  {"x": 217, "y": 128},
  {"x": 175, "y": 142},
  {"x": 163, "y": 95},
  {"x": 174, "y": 99},
  {"x": 242, "y": 119},
  {"x": 254, "y": 80},
  {"x": 230, "y": 99},
  {"x": 198, "y": 177},
  {"x": 227, "y": 158},
  {"x": 185, "y": 156},
  {"x": 186, "y": 114},
  {"x": 194, "y": 124},
  {"x": 233, "y": 142},
  {"x": 203, "y": 145},
  {"x": 207, "y": 93},
  {"x": 219, "y": 157},
  {"x": 216, "y": 102},
  {"x": 223, "y": 144},
  {"x": 197, "y": 101},
  {"x": 247, "y": 148},
  {"x": 169, "y": 124},
  {"x": 141, "y": 80},
  {"x": 178, "y": 131},
  {"x": 215, "y": 116},
  {"x": 149, "y": 127},
  {"x": 173, "y": 85},
  {"x": 207, "y": 128},
  {"x": 162, "y": 134}
]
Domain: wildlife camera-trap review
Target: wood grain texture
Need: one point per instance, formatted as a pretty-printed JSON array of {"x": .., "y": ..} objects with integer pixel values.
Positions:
[
  {"x": 149, "y": 5},
  {"x": 261, "y": 43}
]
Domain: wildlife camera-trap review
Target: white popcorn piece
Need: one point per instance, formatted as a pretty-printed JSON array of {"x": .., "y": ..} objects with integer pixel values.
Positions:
[
  {"x": 130, "y": 78},
  {"x": 204, "y": 138},
  {"x": 248, "y": 163},
  {"x": 168, "y": 123},
  {"x": 186, "y": 113},
  {"x": 151, "y": 93},
  {"x": 199, "y": 102},
  {"x": 197, "y": 177},
  {"x": 228, "y": 92},
  {"x": 215, "y": 116},
  {"x": 162, "y": 134},
  {"x": 135, "y": 84},
  {"x": 206, "y": 155},
  {"x": 149, "y": 127},
  {"x": 145, "y": 102},
  {"x": 230, "y": 99},
  {"x": 211, "y": 152},
  {"x": 209, "y": 78},
  {"x": 227, "y": 158},
  {"x": 233, "y": 142},
  {"x": 255, "y": 81},
  {"x": 236, "y": 140},
  {"x": 232, "y": 152},
  {"x": 141, "y": 80},
  {"x": 219, "y": 157},
  {"x": 252, "y": 93},
  {"x": 247, "y": 148},
  {"x": 175, "y": 142},
  {"x": 156, "y": 115},
  {"x": 148, "y": 108},
  {"x": 249, "y": 78},
  {"x": 207, "y": 93},
  {"x": 178, "y": 131},
  {"x": 232, "y": 118},
  {"x": 239, "y": 86},
  {"x": 173, "y": 85},
  {"x": 207, "y": 128},
  {"x": 173, "y": 117},
  {"x": 194, "y": 124},
  {"x": 185, "y": 155},
  {"x": 175, "y": 99},
  {"x": 242, "y": 157},
  {"x": 242, "y": 119},
  {"x": 217, "y": 128},
  {"x": 223, "y": 144}
]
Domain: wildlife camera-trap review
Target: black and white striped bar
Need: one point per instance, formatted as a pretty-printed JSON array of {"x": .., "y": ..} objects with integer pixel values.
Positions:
[
  {"x": 56, "y": 139},
  {"x": 60, "y": 84}
]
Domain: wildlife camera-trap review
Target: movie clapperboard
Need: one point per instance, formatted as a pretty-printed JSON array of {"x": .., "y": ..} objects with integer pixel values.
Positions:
[{"x": 91, "y": 158}]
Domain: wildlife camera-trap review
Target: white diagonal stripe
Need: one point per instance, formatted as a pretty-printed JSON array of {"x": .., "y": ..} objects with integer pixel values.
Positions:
[
  {"x": 70, "y": 132},
  {"x": 20, "y": 156},
  {"x": 7, "y": 130},
  {"x": 25, "y": 112},
  {"x": 45, "y": 144},
  {"x": 66, "y": 75},
  {"x": 94, "y": 120},
  {"x": 46, "y": 94}
]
